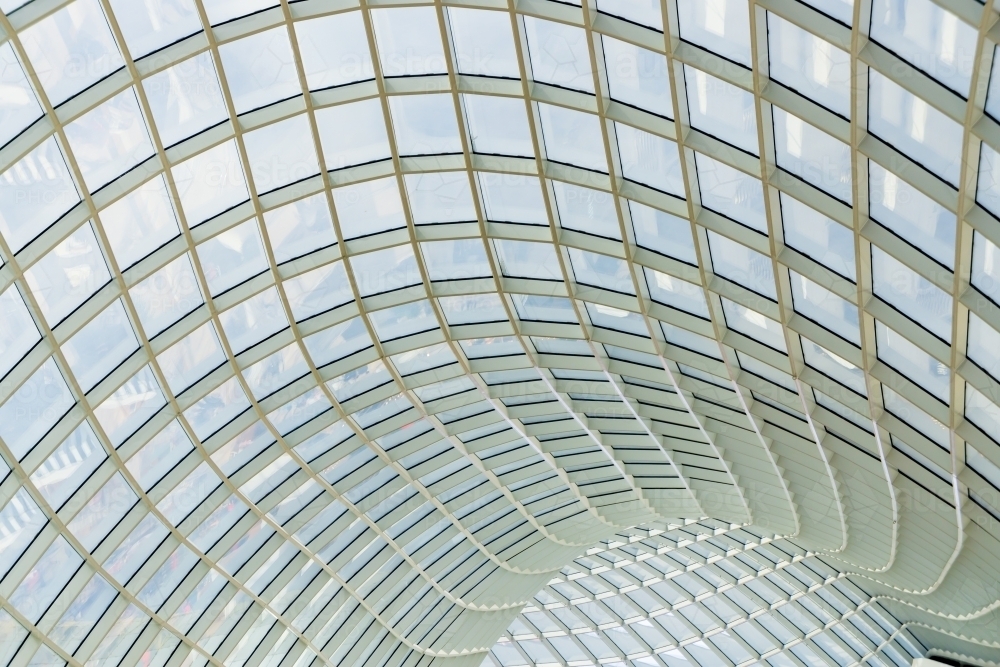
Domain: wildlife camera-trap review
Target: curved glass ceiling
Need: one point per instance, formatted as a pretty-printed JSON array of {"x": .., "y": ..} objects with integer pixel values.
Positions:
[{"x": 332, "y": 333}]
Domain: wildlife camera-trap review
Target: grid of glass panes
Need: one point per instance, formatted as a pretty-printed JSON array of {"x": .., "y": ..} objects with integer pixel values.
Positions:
[
  {"x": 702, "y": 595},
  {"x": 457, "y": 270}
]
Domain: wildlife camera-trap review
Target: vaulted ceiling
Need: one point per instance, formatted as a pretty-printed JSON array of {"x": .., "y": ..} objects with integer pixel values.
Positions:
[{"x": 391, "y": 333}]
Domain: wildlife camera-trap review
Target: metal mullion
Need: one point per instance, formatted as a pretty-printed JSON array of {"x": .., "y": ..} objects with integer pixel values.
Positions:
[
  {"x": 74, "y": 386},
  {"x": 315, "y": 372},
  {"x": 466, "y": 151},
  {"x": 549, "y": 207},
  {"x": 765, "y": 147},
  {"x": 230, "y": 357},
  {"x": 678, "y": 97},
  {"x": 442, "y": 325}
]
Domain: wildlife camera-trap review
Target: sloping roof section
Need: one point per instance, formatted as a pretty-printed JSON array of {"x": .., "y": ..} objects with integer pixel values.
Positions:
[{"x": 333, "y": 331}]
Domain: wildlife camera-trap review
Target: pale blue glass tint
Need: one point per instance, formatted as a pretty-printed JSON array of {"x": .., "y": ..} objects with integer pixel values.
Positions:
[
  {"x": 109, "y": 140},
  {"x": 912, "y": 294},
  {"x": 334, "y": 50},
  {"x": 636, "y": 76},
  {"x": 190, "y": 359},
  {"x": 834, "y": 366},
  {"x": 220, "y": 11},
  {"x": 216, "y": 409},
  {"x": 360, "y": 380},
  {"x": 425, "y": 124},
  {"x": 809, "y": 65},
  {"x": 610, "y": 273},
  {"x": 299, "y": 228},
  {"x": 993, "y": 95},
  {"x": 691, "y": 341},
  {"x": 753, "y": 324},
  {"x": 929, "y": 37},
  {"x": 409, "y": 41},
  {"x": 643, "y": 12},
  {"x": 721, "y": 26},
  {"x": 617, "y": 319},
  {"x": 369, "y": 208},
  {"x": 92, "y": 524},
  {"x": 676, "y": 293},
  {"x": 46, "y": 579},
  {"x": 741, "y": 265},
  {"x": 915, "y": 128},
  {"x": 573, "y": 137},
  {"x": 135, "y": 549},
  {"x": 149, "y": 26},
  {"x": 922, "y": 369},
  {"x": 242, "y": 449},
  {"x": 131, "y": 406},
  {"x": 498, "y": 125},
  {"x": 260, "y": 69},
  {"x": 984, "y": 345},
  {"x": 102, "y": 344},
  {"x": 988, "y": 187},
  {"x": 823, "y": 306},
  {"x": 366, "y": 142},
  {"x": 842, "y": 10},
  {"x": 817, "y": 236},
  {"x": 650, "y": 160},
  {"x": 911, "y": 214},
  {"x": 275, "y": 371},
  {"x": 281, "y": 153},
  {"x": 166, "y": 296},
  {"x": 67, "y": 276},
  {"x": 404, "y": 320},
  {"x": 586, "y": 210},
  {"x": 986, "y": 267},
  {"x": 86, "y": 54},
  {"x": 455, "y": 260},
  {"x": 473, "y": 308},
  {"x": 543, "y": 308},
  {"x": 483, "y": 42},
  {"x": 317, "y": 291},
  {"x": 385, "y": 270},
  {"x": 512, "y": 198},
  {"x": 731, "y": 192},
  {"x": 82, "y": 615},
  {"x": 140, "y": 222},
  {"x": 180, "y": 502},
  {"x": 185, "y": 99},
  {"x": 812, "y": 155},
  {"x": 662, "y": 232},
  {"x": 232, "y": 257},
  {"x": 69, "y": 466},
  {"x": 210, "y": 183},
  {"x": 18, "y": 106},
  {"x": 984, "y": 413},
  {"x": 916, "y": 418},
  {"x": 577, "y": 348},
  {"x": 559, "y": 54},
  {"x": 299, "y": 411},
  {"x": 440, "y": 197},
  {"x": 33, "y": 408},
  {"x": 253, "y": 320},
  {"x": 19, "y": 333},
  {"x": 26, "y": 520},
  {"x": 524, "y": 259},
  {"x": 34, "y": 193},
  {"x": 721, "y": 109}
]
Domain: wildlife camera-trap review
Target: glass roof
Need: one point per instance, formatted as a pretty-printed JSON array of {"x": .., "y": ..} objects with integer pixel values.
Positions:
[{"x": 499, "y": 333}]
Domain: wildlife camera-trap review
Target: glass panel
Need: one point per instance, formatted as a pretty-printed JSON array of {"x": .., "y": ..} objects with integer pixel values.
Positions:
[
  {"x": 260, "y": 69},
  {"x": 559, "y": 54},
  {"x": 409, "y": 41},
  {"x": 722, "y": 26},
  {"x": 483, "y": 42},
  {"x": 636, "y": 76},
  {"x": 334, "y": 50},
  {"x": 810, "y": 65},
  {"x": 34, "y": 193},
  {"x": 103, "y": 343},
  {"x": 87, "y": 52},
  {"x": 367, "y": 140},
  {"x": 722, "y": 110},
  {"x": 812, "y": 155}
]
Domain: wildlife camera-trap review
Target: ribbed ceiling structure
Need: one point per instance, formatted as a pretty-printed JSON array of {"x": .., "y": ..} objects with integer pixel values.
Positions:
[{"x": 336, "y": 332}]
